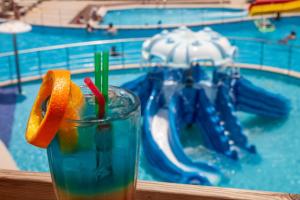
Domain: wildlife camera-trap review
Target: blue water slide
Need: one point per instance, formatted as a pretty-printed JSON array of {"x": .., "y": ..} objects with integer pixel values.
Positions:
[
  {"x": 158, "y": 151},
  {"x": 142, "y": 86},
  {"x": 256, "y": 100},
  {"x": 209, "y": 122},
  {"x": 226, "y": 111},
  {"x": 178, "y": 119}
]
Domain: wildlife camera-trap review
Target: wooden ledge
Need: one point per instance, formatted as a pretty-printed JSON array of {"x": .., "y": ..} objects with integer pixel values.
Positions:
[{"x": 18, "y": 185}]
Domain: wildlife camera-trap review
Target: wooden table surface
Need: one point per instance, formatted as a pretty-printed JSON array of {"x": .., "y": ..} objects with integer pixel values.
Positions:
[{"x": 18, "y": 185}]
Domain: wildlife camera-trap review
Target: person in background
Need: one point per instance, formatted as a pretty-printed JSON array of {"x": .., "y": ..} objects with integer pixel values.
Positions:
[
  {"x": 90, "y": 25},
  {"x": 278, "y": 16},
  {"x": 111, "y": 29},
  {"x": 291, "y": 36},
  {"x": 264, "y": 23},
  {"x": 114, "y": 52},
  {"x": 93, "y": 14},
  {"x": 159, "y": 23},
  {"x": 89, "y": 28},
  {"x": 81, "y": 20}
]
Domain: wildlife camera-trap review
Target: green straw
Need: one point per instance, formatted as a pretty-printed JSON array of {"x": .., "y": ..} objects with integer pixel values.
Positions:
[
  {"x": 105, "y": 138},
  {"x": 98, "y": 61},
  {"x": 105, "y": 66},
  {"x": 101, "y": 74},
  {"x": 97, "y": 65}
]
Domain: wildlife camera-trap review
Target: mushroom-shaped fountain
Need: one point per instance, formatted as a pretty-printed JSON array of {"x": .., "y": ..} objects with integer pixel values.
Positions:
[{"x": 182, "y": 47}]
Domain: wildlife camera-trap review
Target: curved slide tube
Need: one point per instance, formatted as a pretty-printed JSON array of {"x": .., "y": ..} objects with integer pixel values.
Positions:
[
  {"x": 143, "y": 86},
  {"x": 159, "y": 152},
  {"x": 253, "y": 99},
  {"x": 226, "y": 111},
  {"x": 260, "y": 7},
  {"x": 176, "y": 122}
]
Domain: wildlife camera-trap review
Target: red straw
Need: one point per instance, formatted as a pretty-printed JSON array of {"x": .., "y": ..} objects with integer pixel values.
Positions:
[{"x": 99, "y": 97}]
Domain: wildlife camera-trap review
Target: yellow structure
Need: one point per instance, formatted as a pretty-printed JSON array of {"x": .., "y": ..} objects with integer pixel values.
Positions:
[{"x": 272, "y": 7}]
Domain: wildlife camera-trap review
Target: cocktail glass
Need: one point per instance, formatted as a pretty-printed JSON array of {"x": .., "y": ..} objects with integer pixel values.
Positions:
[{"x": 103, "y": 163}]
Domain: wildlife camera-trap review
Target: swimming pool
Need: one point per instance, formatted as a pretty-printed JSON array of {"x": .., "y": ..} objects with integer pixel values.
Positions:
[
  {"x": 250, "y": 51},
  {"x": 275, "y": 168},
  {"x": 170, "y": 16},
  {"x": 47, "y": 36}
]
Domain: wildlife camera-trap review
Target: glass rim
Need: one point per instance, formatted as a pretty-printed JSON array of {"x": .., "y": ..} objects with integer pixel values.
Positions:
[{"x": 105, "y": 120}]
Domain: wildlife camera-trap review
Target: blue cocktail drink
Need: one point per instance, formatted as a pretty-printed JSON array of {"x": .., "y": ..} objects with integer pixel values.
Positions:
[{"x": 102, "y": 164}]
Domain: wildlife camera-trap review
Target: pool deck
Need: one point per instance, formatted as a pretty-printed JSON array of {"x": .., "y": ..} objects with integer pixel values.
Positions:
[
  {"x": 7, "y": 161},
  {"x": 61, "y": 13}
]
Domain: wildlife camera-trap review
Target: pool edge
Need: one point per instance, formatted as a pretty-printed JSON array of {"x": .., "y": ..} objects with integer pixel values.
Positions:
[{"x": 264, "y": 68}]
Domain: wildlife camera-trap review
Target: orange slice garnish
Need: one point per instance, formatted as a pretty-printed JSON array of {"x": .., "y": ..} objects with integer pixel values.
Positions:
[
  {"x": 41, "y": 129},
  {"x": 68, "y": 135}
]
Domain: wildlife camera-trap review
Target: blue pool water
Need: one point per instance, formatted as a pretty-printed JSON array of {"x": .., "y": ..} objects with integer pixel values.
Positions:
[
  {"x": 249, "y": 51},
  {"x": 276, "y": 168},
  {"x": 154, "y": 16},
  {"x": 48, "y": 36}
]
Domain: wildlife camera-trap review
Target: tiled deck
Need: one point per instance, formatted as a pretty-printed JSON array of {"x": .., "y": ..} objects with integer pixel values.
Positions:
[{"x": 61, "y": 13}]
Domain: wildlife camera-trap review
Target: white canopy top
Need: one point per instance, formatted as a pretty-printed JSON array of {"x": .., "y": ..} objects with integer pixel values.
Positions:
[
  {"x": 181, "y": 47},
  {"x": 14, "y": 27}
]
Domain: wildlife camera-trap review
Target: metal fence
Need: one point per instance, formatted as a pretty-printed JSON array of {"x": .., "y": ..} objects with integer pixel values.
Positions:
[
  {"x": 35, "y": 62},
  {"x": 79, "y": 56},
  {"x": 269, "y": 53}
]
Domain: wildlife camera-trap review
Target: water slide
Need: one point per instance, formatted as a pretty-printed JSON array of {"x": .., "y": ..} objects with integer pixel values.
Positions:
[
  {"x": 225, "y": 107},
  {"x": 261, "y": 7},
  {"x": 141, "y": 87},
  {"x": 168, "y": 106},
  {"x": 247, "y": 97},
  {"x": 252, "y": 99},
  {"x": 169, "y": 161},
  {"x": 161, "y": 143}
]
